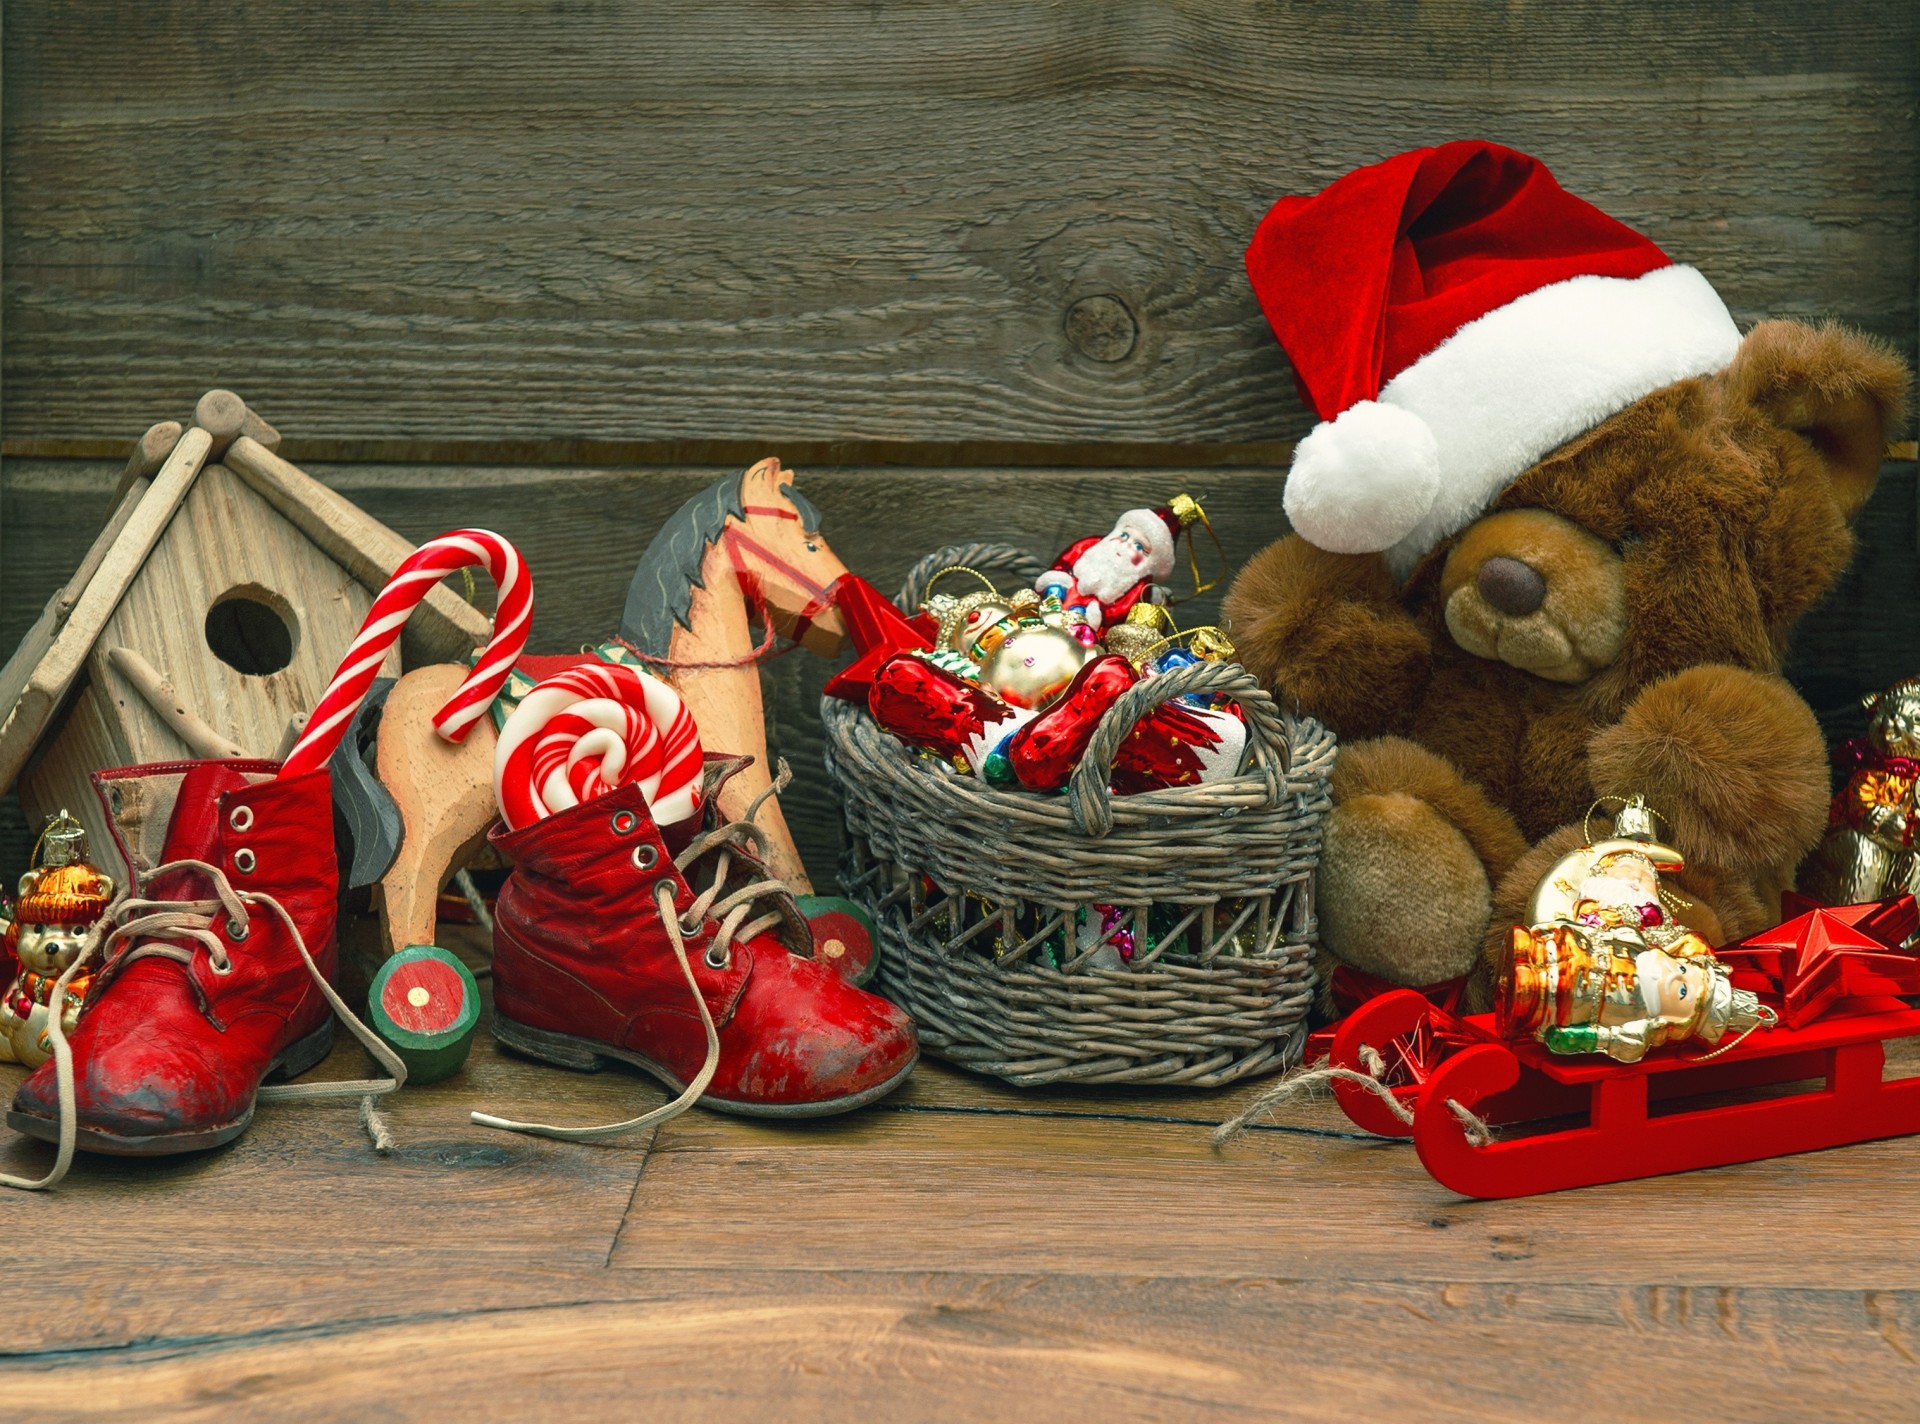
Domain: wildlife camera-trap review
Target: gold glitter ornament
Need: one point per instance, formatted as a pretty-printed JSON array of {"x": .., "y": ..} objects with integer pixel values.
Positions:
[{"x": 1602, "y": 966}]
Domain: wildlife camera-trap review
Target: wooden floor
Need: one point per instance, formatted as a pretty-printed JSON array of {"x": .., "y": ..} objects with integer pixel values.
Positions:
[{"x": 961, "y": 1251}]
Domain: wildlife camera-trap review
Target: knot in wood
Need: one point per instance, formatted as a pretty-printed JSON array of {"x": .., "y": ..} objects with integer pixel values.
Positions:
[{"x": 1101, "y": 328}]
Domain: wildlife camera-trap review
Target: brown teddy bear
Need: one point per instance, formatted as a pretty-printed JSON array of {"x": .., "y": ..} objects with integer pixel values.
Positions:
[{"x": 1577, "y": 581}]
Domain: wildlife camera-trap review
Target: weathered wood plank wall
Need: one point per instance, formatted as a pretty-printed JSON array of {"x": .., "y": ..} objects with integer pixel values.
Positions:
[{"x": 530, "y": 265}]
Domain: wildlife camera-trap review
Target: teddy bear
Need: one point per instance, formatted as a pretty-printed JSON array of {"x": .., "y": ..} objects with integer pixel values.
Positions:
[{"x": 1550, "y": 538}]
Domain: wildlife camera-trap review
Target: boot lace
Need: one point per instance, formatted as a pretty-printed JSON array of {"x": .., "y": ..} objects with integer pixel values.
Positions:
[
  {"x": 126, "y": 934},
  {"x": 734, "y": 908}
]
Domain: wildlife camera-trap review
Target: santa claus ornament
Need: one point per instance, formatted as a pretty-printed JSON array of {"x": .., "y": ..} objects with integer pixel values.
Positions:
[{"x": 1100, "y": 579}]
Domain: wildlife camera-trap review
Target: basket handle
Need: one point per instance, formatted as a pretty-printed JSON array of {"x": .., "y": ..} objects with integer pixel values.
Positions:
[
  {"x": 986, "y": 557},
  {"x": 1091, "y": 799}
]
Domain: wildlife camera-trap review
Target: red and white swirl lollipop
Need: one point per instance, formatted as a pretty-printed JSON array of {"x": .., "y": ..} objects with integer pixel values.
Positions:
[
  {"x": 585, "y": 731},
  {"x": 418, "y": 573}
]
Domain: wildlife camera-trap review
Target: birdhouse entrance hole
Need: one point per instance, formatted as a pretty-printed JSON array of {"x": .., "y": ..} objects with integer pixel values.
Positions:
[{"x": 251, "y": 630}]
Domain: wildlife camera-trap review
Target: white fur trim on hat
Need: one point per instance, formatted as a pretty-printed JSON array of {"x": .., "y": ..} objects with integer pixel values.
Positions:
[
  {"x": 1363, "y": 480},
  {"x": 1151, "y": 530},
  {"x": 1511, "y": 387}
]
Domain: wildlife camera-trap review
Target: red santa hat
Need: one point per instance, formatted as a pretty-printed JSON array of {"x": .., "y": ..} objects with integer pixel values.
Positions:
[{"x": 1452, "y": 315}]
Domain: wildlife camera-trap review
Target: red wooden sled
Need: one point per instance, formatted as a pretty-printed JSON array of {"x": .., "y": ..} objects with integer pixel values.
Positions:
[{"x": 1625, "y": 1120}]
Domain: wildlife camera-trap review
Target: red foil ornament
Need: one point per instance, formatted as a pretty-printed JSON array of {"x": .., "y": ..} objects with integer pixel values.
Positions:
[
  {"x": 1044, "y": 753},
  {"x": 1822, "y": 955},
  {"x": 927, "y": 706},
  {"x": 1173, "y": 745},
  {"x": 877, "y": 630},
  {"x": 1178, "y": 745}
]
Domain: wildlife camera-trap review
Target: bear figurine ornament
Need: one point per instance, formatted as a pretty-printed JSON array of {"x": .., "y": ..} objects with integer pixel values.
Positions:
[
  {"x": 1550, "y": 540},
  {"x": 60, "y": 900}
]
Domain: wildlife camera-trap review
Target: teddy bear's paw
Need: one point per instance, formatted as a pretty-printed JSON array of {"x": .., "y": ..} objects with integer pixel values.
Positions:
[
  {"x": 1403, "y": 896},
  {"x": 1732, "y": 758}
]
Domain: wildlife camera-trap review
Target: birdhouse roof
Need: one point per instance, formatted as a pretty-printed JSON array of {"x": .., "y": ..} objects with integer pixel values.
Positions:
[{"x": 54, "y": 652}]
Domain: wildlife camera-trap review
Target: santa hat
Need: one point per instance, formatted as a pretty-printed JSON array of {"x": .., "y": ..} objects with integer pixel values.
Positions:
[
  {"x": 64, "y": 895},
  {"x": 1452, "y": 315}
]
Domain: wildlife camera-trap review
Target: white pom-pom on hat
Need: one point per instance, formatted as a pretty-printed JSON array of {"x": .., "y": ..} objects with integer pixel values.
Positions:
[{"x": 1364, "y": 480}]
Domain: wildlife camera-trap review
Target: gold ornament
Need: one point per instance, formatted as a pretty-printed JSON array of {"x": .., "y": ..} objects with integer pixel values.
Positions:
[
  {"x": 1869, "y": 850},
  {"x": 1145, "y": 628},
  {"x": 1602, "y": 967},
  {"x": 1032, "y": 664},
  {"x": 60, "y": 900}
]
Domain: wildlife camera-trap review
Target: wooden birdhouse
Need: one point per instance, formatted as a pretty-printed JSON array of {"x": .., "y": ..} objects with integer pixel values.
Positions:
[{"x": 207, "y": 617}]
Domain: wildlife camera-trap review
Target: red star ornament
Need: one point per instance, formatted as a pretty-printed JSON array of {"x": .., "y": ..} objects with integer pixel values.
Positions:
[
  {"x": 1824, "y": 954},
  {"x": 877, "y": 629}
]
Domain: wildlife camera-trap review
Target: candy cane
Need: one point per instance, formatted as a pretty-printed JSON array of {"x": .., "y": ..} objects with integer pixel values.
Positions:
[
  {"x": 585, "y": 731},
  {"x": 418, "y": 573}
]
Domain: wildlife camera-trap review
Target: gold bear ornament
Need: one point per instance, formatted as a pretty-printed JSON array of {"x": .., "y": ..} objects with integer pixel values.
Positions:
[{"x": 59, "y": 901}]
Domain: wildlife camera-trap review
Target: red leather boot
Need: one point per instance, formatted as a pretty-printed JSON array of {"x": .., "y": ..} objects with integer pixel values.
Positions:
[
  {"x": 603, "y": 951},
  {"x": 216, "y": 970}
]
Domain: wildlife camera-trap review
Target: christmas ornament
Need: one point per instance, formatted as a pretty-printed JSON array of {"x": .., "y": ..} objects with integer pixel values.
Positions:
[
  {"x": 1030, "y": 663},
  {"x": 418, "y": 573},
  {"x": 60, "y": 900},
  {"x": 1180, "y": 745},
  {"x": 1147, "y": 628},
  {"x": 593, "y": 727},
  {"x": 1100, "y": 579},
  {"x": 1044, "y": 752},
  {"x": 425, "y": 1005},
  {"x": 1868, "y": 850},
  {"x": 1820, "y": 955},
  {"x": 930, "y": 705},
  {"x": 1602, "y": 968},
  {"x": 877, "y": 630}
]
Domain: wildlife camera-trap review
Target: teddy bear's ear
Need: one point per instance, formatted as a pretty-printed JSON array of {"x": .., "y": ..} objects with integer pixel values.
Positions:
[{"x": 1842, "y": 392}]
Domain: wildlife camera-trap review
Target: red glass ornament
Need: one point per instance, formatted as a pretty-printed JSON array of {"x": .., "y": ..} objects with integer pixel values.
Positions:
[
  {"x": 927, "y": 706},
  {"x": 877, "y": 630},
  {"x": 1044, "y": 753}
]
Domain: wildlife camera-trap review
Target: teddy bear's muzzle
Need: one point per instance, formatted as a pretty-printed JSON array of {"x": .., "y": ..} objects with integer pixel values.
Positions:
[{"x": 1535, "y": 591}]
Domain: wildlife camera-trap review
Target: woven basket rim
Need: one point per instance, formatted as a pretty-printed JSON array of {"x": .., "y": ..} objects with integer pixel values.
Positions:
[{"x": 1141, "y": 812}]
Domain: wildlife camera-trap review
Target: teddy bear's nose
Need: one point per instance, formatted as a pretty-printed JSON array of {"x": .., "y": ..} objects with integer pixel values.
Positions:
[{"x": 1511, "y": 586}]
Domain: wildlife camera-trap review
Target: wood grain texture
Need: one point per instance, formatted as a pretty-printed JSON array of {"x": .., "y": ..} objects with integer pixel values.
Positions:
[
  {"x": 582, "y": 530},
  {"x": 835, "y": 221},
  {"x": 954, "y": 1347}
]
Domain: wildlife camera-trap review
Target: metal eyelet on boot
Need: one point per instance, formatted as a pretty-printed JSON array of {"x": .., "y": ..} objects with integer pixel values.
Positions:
[
  {"x": 645, "y": 857},
  {"x": 725, "y": 961},
  {"x": 624, "y": 822},
  {"x": 244, "y": 861},
  {"x": 241, "y": 819},
  {"x": 238, "y": 932},
  {"x": 221, "y": 967}
]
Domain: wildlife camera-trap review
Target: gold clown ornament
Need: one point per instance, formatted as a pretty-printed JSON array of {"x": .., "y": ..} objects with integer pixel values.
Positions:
[
  {"x": 1020, "y": 643},
  {"x": 1602, "y": 966},
  {"x": 59, "y": 901}
]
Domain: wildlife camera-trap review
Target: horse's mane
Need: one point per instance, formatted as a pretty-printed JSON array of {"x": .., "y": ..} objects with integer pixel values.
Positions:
[{"x": 661, "y": 593}]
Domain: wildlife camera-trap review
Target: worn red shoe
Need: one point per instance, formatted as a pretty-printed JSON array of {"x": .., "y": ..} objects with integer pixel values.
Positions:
[
  {"x": 216, "y": 970},
  {"x": 604, "y": 952}
]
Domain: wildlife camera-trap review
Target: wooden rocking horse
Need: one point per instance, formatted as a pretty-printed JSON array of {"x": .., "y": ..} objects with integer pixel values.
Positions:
[{"x": 747, "y": 549}]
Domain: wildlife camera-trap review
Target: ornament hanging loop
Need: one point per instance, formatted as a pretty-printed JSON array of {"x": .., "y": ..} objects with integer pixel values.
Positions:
[{"x": 1188, "y": 510}]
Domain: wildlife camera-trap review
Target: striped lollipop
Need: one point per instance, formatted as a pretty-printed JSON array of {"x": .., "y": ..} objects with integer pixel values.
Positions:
[
  {"x": 591, "y": 728},
  {"x": 418, "y": 573}
]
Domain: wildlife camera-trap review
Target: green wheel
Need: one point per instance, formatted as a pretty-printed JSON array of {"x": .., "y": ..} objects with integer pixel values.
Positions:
[
  {"x": 843, "y": 935},
  {"x": 425, "y": 1004}
]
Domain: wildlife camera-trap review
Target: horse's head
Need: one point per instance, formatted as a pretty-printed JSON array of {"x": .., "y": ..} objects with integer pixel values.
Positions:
[{"x": 780, "y": 554}]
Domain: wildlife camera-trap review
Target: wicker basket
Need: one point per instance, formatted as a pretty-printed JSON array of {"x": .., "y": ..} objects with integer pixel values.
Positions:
[{"x": 1003, "y": 914}]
